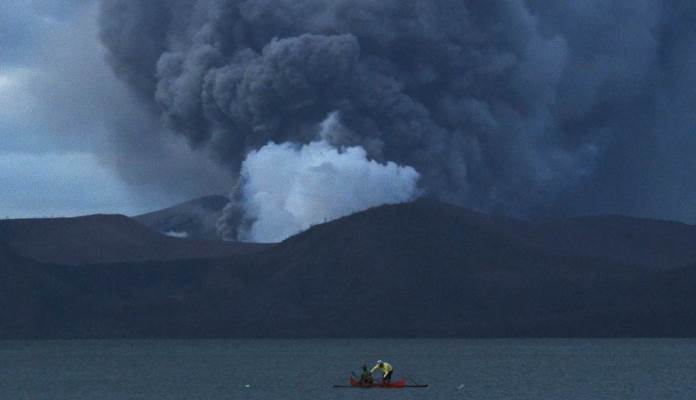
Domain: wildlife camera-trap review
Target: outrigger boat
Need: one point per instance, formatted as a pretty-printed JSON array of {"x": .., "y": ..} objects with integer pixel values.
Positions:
[{"x": 399, "y": 384}]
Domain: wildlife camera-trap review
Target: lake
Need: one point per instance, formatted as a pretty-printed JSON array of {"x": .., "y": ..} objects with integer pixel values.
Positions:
[{"x": 308, "y": 369}]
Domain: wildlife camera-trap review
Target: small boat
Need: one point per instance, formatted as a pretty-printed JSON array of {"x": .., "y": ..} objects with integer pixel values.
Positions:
[{"x": 399, "y": 384}]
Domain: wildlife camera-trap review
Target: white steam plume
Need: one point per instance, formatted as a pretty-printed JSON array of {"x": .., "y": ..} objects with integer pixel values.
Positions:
[
  {"x": 287, "y": 188},
  {"x": 177, "y": 234}
]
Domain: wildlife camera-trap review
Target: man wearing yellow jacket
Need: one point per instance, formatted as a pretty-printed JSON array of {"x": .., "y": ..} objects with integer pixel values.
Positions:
[{"x": 386, "y": 368}]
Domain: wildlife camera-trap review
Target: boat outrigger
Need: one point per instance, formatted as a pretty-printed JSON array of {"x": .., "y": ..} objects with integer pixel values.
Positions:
[{"x": 399, "y": 384}]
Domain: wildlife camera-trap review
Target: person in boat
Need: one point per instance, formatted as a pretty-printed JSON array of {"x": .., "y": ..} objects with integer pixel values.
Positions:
[
  {"x": 386, "y": 368},
  {"x": 366, "y": 376}
]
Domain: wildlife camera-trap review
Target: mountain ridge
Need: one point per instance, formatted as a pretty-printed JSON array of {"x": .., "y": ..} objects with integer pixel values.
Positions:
[
  {"x": 104, "y": 238},
  {"x": 195, "y": 219},
  {"x": 420, "y": 269}
]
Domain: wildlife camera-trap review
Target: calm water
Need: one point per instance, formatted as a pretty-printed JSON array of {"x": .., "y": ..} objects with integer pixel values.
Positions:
[{"x": 455, "y": 369}]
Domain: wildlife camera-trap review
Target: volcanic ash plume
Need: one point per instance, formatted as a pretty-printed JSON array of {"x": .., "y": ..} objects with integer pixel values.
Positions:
[{"x": 513, "y": 105}]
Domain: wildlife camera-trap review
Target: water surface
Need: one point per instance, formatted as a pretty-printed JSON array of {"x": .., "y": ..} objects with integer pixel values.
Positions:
[{"x": 307, "y": 369}]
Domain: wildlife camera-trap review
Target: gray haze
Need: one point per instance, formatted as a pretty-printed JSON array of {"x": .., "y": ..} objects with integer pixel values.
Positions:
[{"x": 514, "y": 106}]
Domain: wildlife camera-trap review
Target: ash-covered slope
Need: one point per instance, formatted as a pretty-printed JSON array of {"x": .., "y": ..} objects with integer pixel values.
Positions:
[
  {"x": 195, "y": 219},
  {"x": 103, "y": 239},
  {"x": 422, "y": 269}
]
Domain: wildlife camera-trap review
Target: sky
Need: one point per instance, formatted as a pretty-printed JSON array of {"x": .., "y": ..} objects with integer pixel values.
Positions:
[
  {"x": 524, "y": 107},
  {"x": 60, "y": 110}
]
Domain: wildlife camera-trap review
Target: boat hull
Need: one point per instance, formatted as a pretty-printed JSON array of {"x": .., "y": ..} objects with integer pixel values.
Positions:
[{"x": 399, "y": 384}]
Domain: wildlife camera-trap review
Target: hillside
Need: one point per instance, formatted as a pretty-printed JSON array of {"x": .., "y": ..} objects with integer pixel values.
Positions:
[
  {"x": 422, "y": 269},
  {"x": 195, "y": 219},
  {"x": 104, "y": 239},
  {"x": 646, "y": 242},
  {"x": 23, "y": 290},
  {"x": 429, "y": 269}
]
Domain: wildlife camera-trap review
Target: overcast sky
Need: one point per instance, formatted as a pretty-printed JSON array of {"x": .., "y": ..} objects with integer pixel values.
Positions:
[{"x": 58, "y": 99}]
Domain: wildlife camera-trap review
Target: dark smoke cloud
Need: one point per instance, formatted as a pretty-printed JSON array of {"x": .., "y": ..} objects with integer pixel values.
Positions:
[{"x": 523, "y": 106}]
